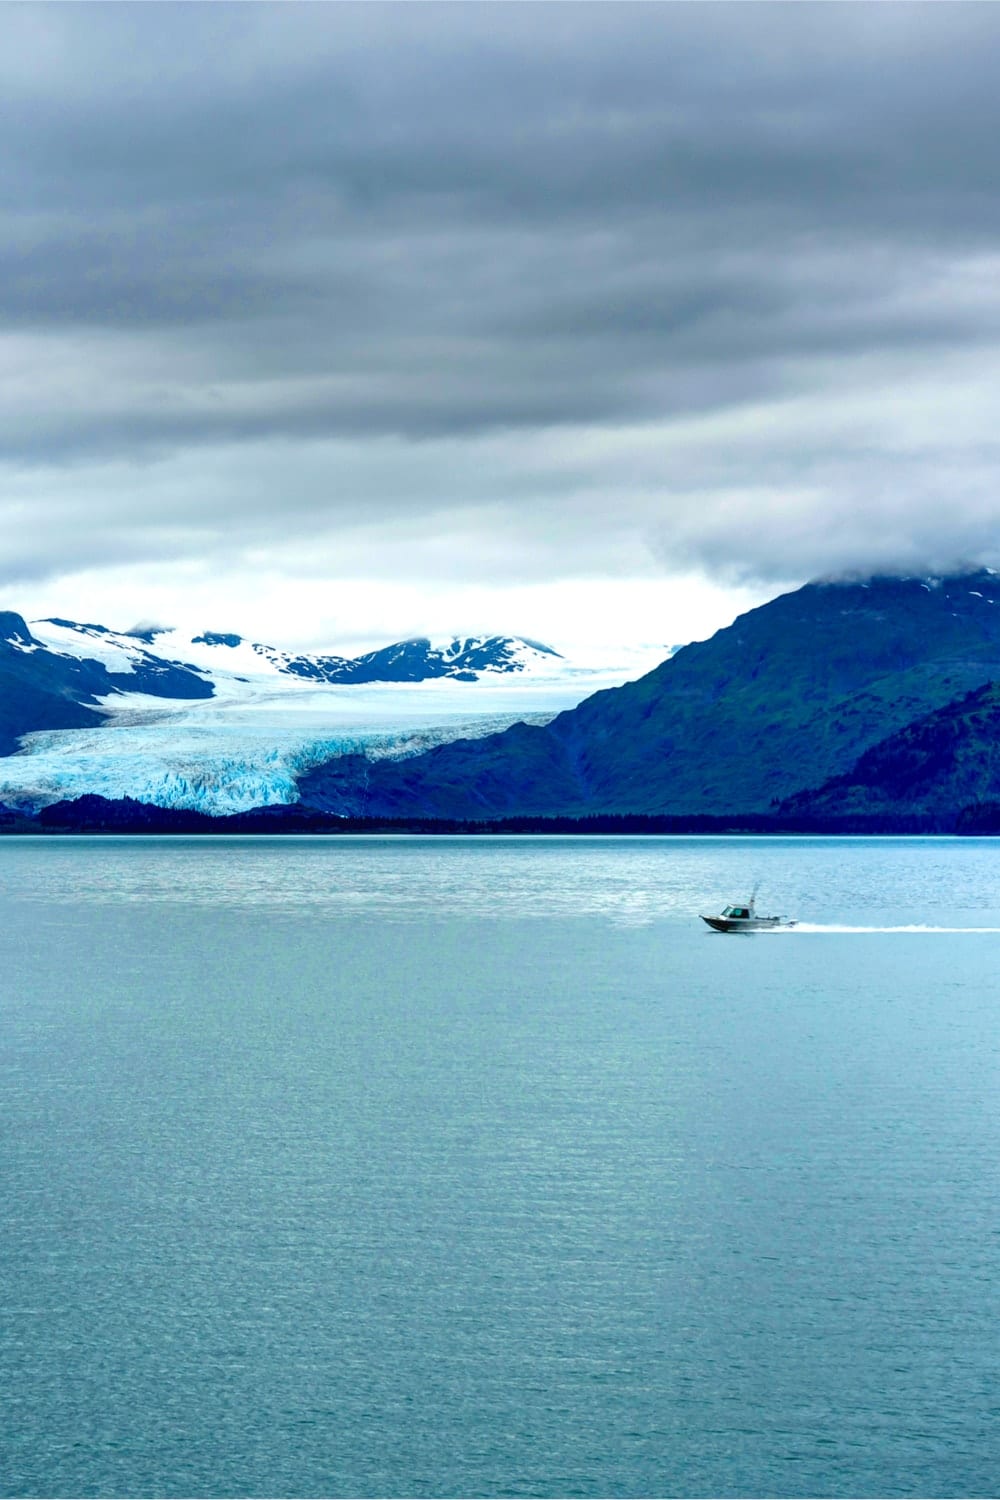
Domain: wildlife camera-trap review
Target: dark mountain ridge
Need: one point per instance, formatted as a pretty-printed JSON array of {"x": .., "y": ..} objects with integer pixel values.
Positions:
[{"x": 937, "y": 768}]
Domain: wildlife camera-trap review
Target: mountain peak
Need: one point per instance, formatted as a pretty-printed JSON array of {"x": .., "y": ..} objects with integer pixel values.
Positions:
[
  {"x": 420, "y": 659},
  {"x": 13, "y": 627}
]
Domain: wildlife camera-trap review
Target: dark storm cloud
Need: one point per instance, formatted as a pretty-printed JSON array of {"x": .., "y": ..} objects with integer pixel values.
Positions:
[{"x": 225, "y": 227}]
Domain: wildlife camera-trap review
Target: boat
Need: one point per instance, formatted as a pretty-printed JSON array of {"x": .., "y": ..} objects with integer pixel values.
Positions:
[{"x": 746, "y": 918}]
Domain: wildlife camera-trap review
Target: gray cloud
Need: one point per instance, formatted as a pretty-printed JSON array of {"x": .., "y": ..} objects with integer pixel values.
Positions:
[{"x": 592, "y": 276}]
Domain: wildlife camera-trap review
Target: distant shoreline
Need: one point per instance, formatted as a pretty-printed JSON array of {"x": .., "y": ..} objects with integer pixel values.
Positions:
[{"x": 96, "y": 815}]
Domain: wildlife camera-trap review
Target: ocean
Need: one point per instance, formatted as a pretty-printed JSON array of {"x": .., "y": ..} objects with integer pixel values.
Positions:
[{"x": 457, "y": 1167}]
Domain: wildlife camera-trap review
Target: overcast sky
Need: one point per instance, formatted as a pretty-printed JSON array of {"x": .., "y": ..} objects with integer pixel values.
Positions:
[{"x": 333, "y": 324}]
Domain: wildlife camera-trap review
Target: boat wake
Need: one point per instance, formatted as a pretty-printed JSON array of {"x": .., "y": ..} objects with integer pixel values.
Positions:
[{"x": 912, "y": 927}]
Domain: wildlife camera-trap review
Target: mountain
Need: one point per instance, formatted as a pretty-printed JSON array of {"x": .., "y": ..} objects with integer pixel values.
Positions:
[
  {"x": 45, "y": 689},
  {"x": 857, "y": 690},
  {"x": 420, "y": 661},
  {"x": 216, "y": 653},
  {"x": 790, "y": 695},
  {"x": 210, "y": 721},
  {"x": 938, "y": 768}
]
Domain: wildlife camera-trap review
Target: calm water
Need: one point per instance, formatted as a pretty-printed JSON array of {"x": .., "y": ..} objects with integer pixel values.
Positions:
[{"x": 454, "y": 1167}]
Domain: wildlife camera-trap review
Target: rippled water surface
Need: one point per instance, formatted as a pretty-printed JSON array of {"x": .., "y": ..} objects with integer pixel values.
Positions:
[{"x": 481, "y": 1167}]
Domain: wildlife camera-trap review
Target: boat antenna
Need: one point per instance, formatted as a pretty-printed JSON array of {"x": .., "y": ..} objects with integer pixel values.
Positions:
[{"x": 753, "y": 893}]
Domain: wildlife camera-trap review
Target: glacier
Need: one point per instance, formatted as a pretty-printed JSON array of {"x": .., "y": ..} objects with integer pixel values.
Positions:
[
  {"x": 263, "y": 727},
  {"x": 214, "y": 768}
]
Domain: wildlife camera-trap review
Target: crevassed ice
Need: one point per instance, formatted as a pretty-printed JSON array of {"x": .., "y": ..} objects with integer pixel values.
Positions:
[{"x": 218, "y": 769}]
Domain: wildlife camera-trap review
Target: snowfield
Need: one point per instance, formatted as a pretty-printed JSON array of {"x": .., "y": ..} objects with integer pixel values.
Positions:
[{"x": 246, "y": 746}]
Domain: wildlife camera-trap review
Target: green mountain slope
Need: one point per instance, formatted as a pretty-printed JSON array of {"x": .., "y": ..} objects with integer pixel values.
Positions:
[
  {"x": 787, "y": 697},
  {"x": 936, "y": 767}
]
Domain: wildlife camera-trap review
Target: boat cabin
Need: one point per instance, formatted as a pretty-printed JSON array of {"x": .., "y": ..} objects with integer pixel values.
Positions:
[{"x": 737, "y": 911}]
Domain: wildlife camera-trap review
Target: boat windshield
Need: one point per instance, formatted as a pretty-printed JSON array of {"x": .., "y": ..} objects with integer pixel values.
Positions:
[{"x": 736, "y": 911}]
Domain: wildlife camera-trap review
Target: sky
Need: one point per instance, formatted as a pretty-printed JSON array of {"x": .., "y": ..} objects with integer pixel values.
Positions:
[{"x": 334, "y": 324}]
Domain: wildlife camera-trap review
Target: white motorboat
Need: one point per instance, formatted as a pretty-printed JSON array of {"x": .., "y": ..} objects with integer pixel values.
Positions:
[{"x": 746, "y": 919}]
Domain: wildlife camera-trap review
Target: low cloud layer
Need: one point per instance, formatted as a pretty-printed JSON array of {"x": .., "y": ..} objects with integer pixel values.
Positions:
[{"x": 513, "y": 294}]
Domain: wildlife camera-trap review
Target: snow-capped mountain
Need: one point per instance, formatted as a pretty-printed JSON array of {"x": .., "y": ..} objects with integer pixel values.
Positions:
[
  {"x": 212, "y": 721},
  {"x": 212, "y": 651}
]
